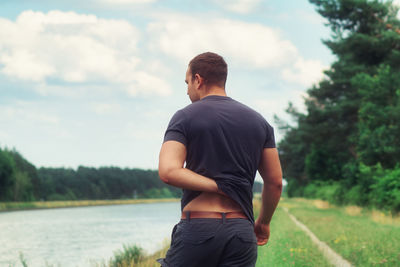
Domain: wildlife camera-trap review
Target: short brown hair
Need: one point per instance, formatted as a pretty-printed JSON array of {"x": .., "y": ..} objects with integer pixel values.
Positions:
[{"x": 211, "y": 67}]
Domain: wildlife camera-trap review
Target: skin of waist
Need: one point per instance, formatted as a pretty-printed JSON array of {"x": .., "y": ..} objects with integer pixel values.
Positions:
[{"x": 207, "y": 201}]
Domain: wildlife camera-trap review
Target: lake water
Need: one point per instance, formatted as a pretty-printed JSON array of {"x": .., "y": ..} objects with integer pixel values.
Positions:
[{"x": 80, "y": 236}]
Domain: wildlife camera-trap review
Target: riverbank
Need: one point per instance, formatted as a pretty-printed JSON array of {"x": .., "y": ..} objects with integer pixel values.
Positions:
[
  {"x": 13, "y": 206},
  {"x": 363, "y": 237}
]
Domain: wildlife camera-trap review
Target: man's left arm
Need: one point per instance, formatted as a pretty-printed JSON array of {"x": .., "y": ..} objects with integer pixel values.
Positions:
[{"x": 172, "y": 171}]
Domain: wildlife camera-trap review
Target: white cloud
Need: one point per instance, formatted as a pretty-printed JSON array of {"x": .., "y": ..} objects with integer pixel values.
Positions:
[
  {"x": 148, "y": 84},
  {"x": 245, "y": 43},
  {"x": 248, "y": 45},
  {"x": 239, "y": 6},
  {"x": 73, "y": 48},
  {"x": 305, "y": 72}
]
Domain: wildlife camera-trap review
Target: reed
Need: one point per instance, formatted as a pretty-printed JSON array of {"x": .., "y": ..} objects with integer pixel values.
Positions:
[{"x": 134, "y": 256}]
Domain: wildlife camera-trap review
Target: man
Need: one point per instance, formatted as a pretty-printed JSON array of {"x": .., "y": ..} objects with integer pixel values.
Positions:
[{"x": 223, "y": 143}]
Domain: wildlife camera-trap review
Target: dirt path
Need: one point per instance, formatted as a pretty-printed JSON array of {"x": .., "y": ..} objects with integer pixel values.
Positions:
[{"x": 329, "y": 254}]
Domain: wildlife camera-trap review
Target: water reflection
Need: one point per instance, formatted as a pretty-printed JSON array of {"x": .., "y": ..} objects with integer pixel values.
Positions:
[{"x": 77, "y": 236}]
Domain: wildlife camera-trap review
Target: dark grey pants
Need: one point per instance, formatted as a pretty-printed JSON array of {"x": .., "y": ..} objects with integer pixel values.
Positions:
[{"x": 212, "y": 242}]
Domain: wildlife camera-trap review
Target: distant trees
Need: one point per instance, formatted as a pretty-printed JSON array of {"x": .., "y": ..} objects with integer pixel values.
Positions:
[
  {"x": 7, "y": 172},
  {"x": 21, "y": 181},
  {"x": 348, "y": 142},
  {"x": 103, "y": 183},
  {"x": 16, "y": 177}
]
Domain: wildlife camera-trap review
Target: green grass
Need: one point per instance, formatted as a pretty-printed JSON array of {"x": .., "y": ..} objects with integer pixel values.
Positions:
[
  {"x": 9, "y": 206},
  {"x": 363, "y": 237},
  {"x": 288, "y": 245}
]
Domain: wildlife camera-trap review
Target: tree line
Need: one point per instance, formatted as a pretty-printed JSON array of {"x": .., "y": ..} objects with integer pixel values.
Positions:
[
  {"x": 22, "y": 181},
  {"x": 346, "y": 147}
]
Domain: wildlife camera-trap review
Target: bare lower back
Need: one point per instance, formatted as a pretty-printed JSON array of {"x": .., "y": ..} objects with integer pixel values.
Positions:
[{"x": 212, "y": 202}]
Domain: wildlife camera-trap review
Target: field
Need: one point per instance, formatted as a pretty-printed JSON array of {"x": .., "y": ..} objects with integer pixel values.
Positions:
[{"x": 363, "y": 237}]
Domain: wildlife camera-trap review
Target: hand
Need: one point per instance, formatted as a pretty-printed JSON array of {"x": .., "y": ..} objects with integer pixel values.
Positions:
[
  {"x": 221, "y": 192},
  {"x": 262, "y": 233}
]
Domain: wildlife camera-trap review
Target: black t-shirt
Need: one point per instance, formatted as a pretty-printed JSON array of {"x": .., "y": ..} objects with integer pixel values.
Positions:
[{"x": 224, "y": 140}]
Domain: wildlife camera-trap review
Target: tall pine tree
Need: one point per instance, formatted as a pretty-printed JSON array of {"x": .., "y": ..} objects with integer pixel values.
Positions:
[{"x": 352, "y": 115}]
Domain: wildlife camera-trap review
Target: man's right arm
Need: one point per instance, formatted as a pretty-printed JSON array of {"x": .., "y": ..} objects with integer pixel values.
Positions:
[{"x": 271, "y": 172}]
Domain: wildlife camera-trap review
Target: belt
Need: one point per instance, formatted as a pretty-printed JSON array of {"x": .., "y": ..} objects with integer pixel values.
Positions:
[{"x": 213, "y": 214}]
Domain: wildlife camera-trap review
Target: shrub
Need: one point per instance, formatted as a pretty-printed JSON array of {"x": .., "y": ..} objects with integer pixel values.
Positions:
[
  {"x": 130, "y": 255},
  {"x": 385, "y": 192},
  {"x": 158, "y": 193},
  {"x": 329, "y": 191},
  {"x": 373, "y": 185},
  {"x": 310, "y": 191},
  {"x": 325, "y": 190},
  {"x": 354, "y": 196},
  {"x": 56, "y": 197},
  {"x": 295, "y": 188}
]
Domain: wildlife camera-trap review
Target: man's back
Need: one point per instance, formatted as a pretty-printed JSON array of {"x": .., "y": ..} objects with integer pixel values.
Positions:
[{"x": 224, "y": 141}]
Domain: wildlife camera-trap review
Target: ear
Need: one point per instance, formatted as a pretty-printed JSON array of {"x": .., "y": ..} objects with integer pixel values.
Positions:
[{"x": 199, "y": 80}]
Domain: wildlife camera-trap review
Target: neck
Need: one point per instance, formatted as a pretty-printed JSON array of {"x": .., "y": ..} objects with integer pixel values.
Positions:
[{"x": 214, "y": 90}]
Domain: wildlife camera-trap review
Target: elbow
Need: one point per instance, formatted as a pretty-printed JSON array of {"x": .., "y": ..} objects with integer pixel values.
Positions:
[
  {"x": 278, "y": 184},
  {"x": 274, "y": 183},
  {"x": 279, "y": 187},
  {"x": 274, "y": 189},
  {"x": 163, "y": 173}
]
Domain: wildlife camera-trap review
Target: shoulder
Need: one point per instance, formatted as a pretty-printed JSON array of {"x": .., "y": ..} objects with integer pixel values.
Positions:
[
  {"x": 255, "y": 115},
  {"x": 184, "y": 115},
  {"x": 193, "y": 108}
]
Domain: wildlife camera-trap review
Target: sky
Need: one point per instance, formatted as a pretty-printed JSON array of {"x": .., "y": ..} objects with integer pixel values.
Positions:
[{"x": 95, "y": 82}]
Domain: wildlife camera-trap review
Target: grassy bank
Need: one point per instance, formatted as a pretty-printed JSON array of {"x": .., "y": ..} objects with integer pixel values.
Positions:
[
  {"x": 364, "y": 237},
  {"x": 288, "y": 245},
  {"x": 10, "y": 206}
]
